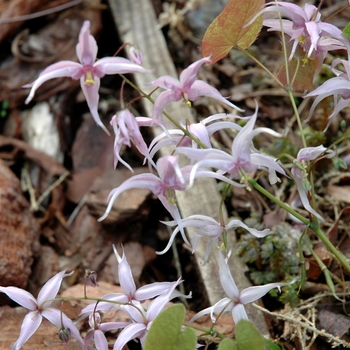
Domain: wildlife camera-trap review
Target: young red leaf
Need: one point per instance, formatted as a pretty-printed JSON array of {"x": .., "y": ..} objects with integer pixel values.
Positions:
[{"x": 226, "y": 31}]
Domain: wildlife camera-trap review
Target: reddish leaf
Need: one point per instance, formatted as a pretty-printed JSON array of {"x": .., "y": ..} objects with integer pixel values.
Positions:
[
  {"x": 226, "y": 31},
  {"x": 300, "y": 73}
]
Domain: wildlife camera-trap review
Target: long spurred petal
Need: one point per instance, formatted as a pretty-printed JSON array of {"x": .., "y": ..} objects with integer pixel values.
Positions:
[
  {"x": 118, "y": 65},
  {"x": 226, "y": 279},
  {"x": 21, "y": 297},
  {"x": 251, "y": 294},
  {"x": 30, "y": 324},
  {"x": 134, "y": 330},
  {"x": 201, "y": 88},
  {"x": 57, "y": 70},
  {"x": 50, "y": 289},
  {"x": 91, "y": 94}
]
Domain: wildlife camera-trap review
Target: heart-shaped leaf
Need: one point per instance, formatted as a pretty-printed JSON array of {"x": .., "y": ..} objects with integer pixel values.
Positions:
[
  {"x": 166, "y": 334},
  {"x": 226, "y": 31}
]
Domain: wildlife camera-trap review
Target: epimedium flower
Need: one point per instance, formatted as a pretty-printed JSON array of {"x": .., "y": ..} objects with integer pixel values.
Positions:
[
  {"x": 235, "y": 299},
  {"x": 89, "y": 71},
  {"x": 304, "y": 26},
  {"x": 127, "y": 129},
  {"x": 338, "y": 86},
  {"x": 41, "y": 308},
  {"x": 143, "y": 318},
  {"x": 98, "y": 329},
  {"x": 202, "y": 130},
  {"x": 299, "y": 170},
  {"x": 170, "y": 178},
  {"x": 243, "y": 156},
  {"x": 207, "y": 226},
  {"x": 187, "y": 88},
  {"x": 130, "y": 293}
]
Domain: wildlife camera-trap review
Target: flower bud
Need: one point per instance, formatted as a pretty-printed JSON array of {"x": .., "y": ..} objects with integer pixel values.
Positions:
[
  {"x": 91, "y": 278},
  {"x": 136, "y": 55},
  {"x": 64, "y": 335}
]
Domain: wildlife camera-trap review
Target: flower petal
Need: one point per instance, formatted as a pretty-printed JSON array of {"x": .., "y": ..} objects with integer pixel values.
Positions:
[
  {"x": 86, "y": 48},
  {"x": 201, "y": 88},
  {"x": 239, "y": 313},
  {"x": 30, "y": 324},
  {"x": 149, "y": 181},
  {"x": 100, "y": 340},
  {"x": 188, "y": 75},
  {"x": 57, "y": 70},
  {"x": 118, "y": 65},
  {"x": 134, "y": 330},
  {"x": 59, "y": 319},
  {"x": 226, "y": 279},
  {"x": 125, "y": 277},
  {"x": 50, "y": 289},
  {"x": 251, "y": 294},
  {"x": 91, "y": 94},
  {"x": 21, "y": 297}
]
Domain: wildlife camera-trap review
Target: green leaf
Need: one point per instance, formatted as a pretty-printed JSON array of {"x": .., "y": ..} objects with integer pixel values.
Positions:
[
  {"x": 346, "y": 30},
  {"x": 271, "y": 345},
  {"x": 226, "y": 31},
  {"x": 166, "y": 334},
  {"x": 248, "y": 336},
  {"x": 227, "y": 344}
]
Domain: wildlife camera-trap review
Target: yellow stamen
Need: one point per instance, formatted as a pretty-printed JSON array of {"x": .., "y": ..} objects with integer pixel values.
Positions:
[
  {"x": 302, "y": 39},
  {"x": 89, "y": 78}
]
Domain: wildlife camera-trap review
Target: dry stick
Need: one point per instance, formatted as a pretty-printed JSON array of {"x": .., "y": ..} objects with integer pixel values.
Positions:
[{"x": 305, "y": 325}]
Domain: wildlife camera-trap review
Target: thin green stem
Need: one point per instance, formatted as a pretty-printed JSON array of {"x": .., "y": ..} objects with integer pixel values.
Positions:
[
  {"x": 283, "y": 205},
  {"x": 205, "y": 330},
  {"x": 341, "y": 258},
  {"x": 296, "y": 112},
  {"x": 263, "y": 67}
]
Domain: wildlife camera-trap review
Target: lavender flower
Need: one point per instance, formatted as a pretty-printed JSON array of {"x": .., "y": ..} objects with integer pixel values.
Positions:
[
  {"x": 338, "y": 86},
  {"x": 98, "y": 329},
  {"x": 305, "y": 27},
  {"x": 130, "y": 293},
  {"x": 203, "y": 131},
  {"x": 127, "y": 129},
  {"x": 300, "y": 173},
  {"x": 142, "y": 319},
  {"x": 41, "y": 308},
  {"x": 187, "y": 88},
  {"x": 208, "y": 227},
  {"x": 88, "y": 71},
  {"x": 236, "y": 300},
  {"x": 243, "y": 156}
]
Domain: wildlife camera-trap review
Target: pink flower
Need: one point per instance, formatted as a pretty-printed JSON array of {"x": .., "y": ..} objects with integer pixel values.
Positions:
[
  {"x": 301, "y": 175},
  {"x": 243, "y": 157},
  {"x": 142, "y": 319},
  {"x": 187, "y": 88},
  {"x": 203, "y": 131},
  {"x": 130, "y": 293},
  {"x": 207, "y": 226},
  {"x": 170, "y": 178},
  {"x": 236, "y": 300},
  {"x": 338, "y": 86},
  {"x": 41, "y": 308},
  {"x": 88, "y": 71},
  {"x": 98, "y": 329},
  {"x": 304, "y": 28},
  {"x": 127, "y": 129}
]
